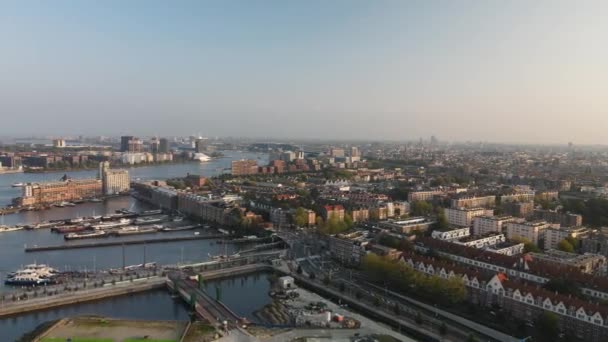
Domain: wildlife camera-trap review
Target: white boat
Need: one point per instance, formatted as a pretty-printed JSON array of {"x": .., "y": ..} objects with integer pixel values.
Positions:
[
  {"x": 18, "y": 185},
  {"x": 4, "y": 229},
  {"x": 77, "y": 236},
  {"x": 201, "y": 157},
  {"x": 197, "y": 233},
  {"x": 109, "y": 225},
  {"x": 151, "y": 219}
]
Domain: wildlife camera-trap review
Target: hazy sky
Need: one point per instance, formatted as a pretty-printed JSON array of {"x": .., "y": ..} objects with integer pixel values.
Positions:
[{"x": 506, "y": 71}]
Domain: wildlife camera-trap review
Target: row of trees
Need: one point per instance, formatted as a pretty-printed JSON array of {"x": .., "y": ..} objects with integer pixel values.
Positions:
[
  {"x": 405, "y": 279},
  {"x": 334, "y": 225},
  {"x": 594, "y": 211}
]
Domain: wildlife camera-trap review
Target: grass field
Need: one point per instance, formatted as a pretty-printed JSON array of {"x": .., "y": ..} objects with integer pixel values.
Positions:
[
  {"x": 76, "y": 339},
  {"x": 100, "y": 329}
]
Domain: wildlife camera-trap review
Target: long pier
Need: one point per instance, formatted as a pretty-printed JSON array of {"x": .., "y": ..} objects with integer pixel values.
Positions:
[
  {"x": 89, "y": 295},
  {"x": 120, "y": 243}
]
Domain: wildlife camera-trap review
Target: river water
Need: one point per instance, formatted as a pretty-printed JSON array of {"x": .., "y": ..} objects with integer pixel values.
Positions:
[
  {"x": 163, "y": 171},
  {"x": 243, "y": 294}
]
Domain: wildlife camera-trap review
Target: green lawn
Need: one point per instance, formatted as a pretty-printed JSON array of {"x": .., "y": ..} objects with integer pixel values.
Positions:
[
  {"x": 76, "y": 339},
  {"x": 146, "y": 340}
]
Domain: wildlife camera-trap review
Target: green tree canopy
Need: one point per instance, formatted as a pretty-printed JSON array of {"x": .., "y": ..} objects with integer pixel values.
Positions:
[
  {"x": 421, "y": 208},
  {"x": 301, "y": 217},
  {"x": 565, "y": 246}
]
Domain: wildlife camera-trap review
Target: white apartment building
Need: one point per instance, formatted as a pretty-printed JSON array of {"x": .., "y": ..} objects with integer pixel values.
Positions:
[
  {"x": 491, "y": 239},
  {"x": 486, "y": 224},
  {"x": 453, "y": 234},
  {"x": 463, "y": 217},
  {"x": 529, "y": 230}
]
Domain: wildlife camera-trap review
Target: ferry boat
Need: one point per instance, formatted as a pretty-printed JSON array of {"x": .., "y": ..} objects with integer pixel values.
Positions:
[
  {"x": 149, "y": 220},
  {"x": 32, "y": 275},
  {"x": 91, "y": 235}
]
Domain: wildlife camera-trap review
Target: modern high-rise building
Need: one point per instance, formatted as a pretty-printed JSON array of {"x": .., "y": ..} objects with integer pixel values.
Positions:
[
  {"x": 136, "y": 145},
  {"x": 199, "y": 146},
  {"x": 124, "y": 143},
  {"x": 163, "y": 146},
  {"x": 154, "y": 145}
]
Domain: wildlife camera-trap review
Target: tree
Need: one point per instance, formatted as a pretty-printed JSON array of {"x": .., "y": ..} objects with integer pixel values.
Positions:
[
  {"x": 397, "y": 309},
  {"x": 471, "y": 338},
  {"x": 326, "y": 280},
  {"x": 358, "y": 295},
  {"x": 312, "y": 275},
  {"x": 342, "y": 287},
  {"x": 421, "y": 208},
  {"x": 565, "y": 246},
  {"x": 376, "y": 301},
  {"x": 442, "y": 222},
  {"x": 443, "y": 329},
  {"x": 348, "y": 221},
  {"x": 418, "y": 318},
  {"x": 547, "y": 327},
  {"x": 565, "y": 286},
  {"x": 299, "y": 270},
  {"x": 528, "y": 245},
  {"x": 301, "y": 217}
]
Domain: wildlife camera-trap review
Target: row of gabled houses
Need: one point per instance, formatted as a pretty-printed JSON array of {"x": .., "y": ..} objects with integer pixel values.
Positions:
[
  {"x": 524, "y": 267},
  {"x": 586, "y": 320}
]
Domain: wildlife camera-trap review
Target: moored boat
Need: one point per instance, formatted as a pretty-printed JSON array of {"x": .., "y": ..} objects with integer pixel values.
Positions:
[{"x": 91, "y": 235}]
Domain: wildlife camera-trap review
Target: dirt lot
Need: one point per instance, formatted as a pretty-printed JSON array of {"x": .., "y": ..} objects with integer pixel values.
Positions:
[
  {"x": 117, "y": 330},
  {"x": 201, "y": 332}
]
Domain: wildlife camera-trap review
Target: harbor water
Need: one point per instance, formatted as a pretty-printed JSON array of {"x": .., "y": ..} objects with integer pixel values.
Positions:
[
  {"x": 12, "y": 244},
  {"x": 158, "y": 305},
  {"x": 243, "y": 294}
]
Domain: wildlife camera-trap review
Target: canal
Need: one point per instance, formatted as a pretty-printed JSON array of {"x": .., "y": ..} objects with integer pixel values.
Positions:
[{"x": 243, "y": 294}]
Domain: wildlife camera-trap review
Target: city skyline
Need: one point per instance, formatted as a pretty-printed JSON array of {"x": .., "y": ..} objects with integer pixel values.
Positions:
[{"x": 497, "y": 72}]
